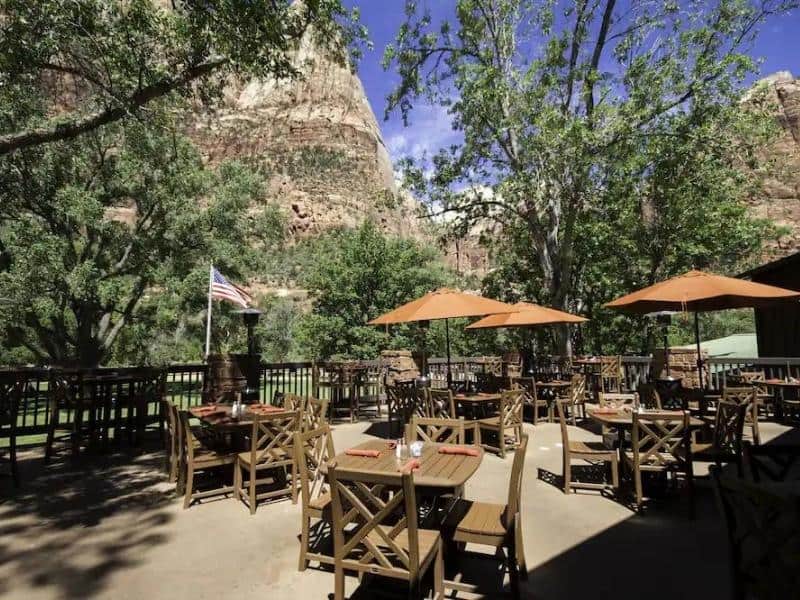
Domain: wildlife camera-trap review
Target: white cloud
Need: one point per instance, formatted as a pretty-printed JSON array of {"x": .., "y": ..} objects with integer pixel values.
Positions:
[{"x": 430, "y": 129}]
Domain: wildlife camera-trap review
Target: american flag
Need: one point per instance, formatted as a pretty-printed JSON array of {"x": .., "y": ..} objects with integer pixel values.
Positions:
[{"x": 222, "y": 289}]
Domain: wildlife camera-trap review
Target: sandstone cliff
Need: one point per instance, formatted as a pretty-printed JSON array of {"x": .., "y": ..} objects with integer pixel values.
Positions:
[
  {"x": 319, "y": 144},
  {"x": 780, "y": 200}
]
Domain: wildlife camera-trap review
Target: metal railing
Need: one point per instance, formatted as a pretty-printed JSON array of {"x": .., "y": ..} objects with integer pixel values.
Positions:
[
  {"x": 185, "y": 384},
  {"x": 773, "y": 368}
]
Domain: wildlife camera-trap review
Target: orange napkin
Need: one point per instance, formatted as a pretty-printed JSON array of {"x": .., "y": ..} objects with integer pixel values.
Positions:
[
  {"x": 605, "y": 410},
  {"x": 364, "y": 453},
  {"x": 208, "y": 411},
  {"x": 265, "y": 408},
  {"x": 204, "y": 408},
  {"x": 461, "y": 450},
  {"x": 411, "y": 465}
]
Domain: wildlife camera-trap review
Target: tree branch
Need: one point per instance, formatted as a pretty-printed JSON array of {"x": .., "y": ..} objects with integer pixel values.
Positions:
[
  {"x": 598, "y": 52},
  {"x": 77, "y": 126}
]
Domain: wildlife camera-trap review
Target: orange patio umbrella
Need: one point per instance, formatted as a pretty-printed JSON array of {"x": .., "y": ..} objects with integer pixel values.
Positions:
[
  {"x": 697, "y": 291},
  {"x": 443, "y": 304},
  {"x": 527, "y": 314}
]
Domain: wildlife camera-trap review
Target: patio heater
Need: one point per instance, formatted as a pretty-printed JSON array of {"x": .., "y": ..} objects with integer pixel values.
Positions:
[{"x": 252, "y": 373}]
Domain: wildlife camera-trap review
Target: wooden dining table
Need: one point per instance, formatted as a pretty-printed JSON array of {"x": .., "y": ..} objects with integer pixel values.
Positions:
[
  {"x": 623, "y": 419},
  {"x": 220, "y": 418},
  {"x": 437, "y": 470},
  {"x": 476, "y": 405}
]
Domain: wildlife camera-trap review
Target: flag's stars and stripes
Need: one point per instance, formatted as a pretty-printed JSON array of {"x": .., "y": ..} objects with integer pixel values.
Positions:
[{"x": 222, "y": 289}]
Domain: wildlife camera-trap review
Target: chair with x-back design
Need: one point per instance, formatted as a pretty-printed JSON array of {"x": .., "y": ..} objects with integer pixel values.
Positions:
[
  {"x": 313, "y": 449},
  {"x": 576, "y": 396},
  {"x": 726, "y": 443},
  {"x": 293, "y": 402},
  {"x": 763, "y": 397},
  {"x": 378, "y": 536},
  {"x": 611, "y": 373},
  {"x": 401, "y": 402},
  {"x": 660, "y": 442},
  {"x": 437, "y": 431},
  {"x": 508, "y": 418},
  {"x": 440, "y": 404},
  {"x": 530, "y": 397},
  {"x": 315, "y": 414},
  {"x": 271, "y": 451},
  {"x": 764, "y": 548},
  {"x": 746, "y": 395}
]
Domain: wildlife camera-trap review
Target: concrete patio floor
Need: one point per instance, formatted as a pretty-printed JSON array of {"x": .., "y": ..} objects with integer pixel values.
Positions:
[{"x": 110, "y": 527}]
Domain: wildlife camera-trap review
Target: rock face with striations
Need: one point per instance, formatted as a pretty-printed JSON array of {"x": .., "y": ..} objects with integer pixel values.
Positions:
[
  {"x": 318, "y": 142},
  {"x": 780, "y": 201}
]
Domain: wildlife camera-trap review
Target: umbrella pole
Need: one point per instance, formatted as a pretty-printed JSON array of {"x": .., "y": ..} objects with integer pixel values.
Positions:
[
  {"x": 447, "y": 335},
  {"x": 699, "y": 355},
  {"x": 666, "y": 349}
]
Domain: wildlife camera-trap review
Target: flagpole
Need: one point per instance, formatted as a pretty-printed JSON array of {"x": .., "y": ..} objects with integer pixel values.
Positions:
[{"x": 208, "y": 315}]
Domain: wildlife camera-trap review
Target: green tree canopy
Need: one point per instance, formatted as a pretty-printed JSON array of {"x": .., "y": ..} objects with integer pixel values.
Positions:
[
  {"x": 357, "y": 275},
  {"x": 113, "y": 232},
  {"x": 605, "y": 139},
  {"x": 113, "y": 58}
]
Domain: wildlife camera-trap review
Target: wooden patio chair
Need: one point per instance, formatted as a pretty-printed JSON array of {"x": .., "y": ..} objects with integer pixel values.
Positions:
[
  {"x": 370, "y": 539},
  {"x": 611, "y": 373},
  {"x": 591, "y": 452},
  {"x": 313, "y": 449},
  {"x": 530, "y": 397},
  {"x": 726, "y": 442},
  {"x": 10, "y": 398},
  {"x": 746, "y": 395},
  {"x": 606, "y": 399},
  {"x": 576, "y": 396},
  {"x": 762, "y": 524},
  {"x": 649, "y": 397},
  {"x": 763, "y": 397},
  {"x": 342, "y": 388},
  {"x": 401, "y": 402},
  {"x": 660, "y": 442},
  {"x": 496, "y": 525},
  {"x": 509, "y": 417},
  {"x": 440, "y": 404},
  {"x": 564, "y": 368},
  {"x": 66, "y": 403},
  {"x": 315, "y": 414},
  {"x": 437, "y": 431},
  {"x": 371, "y": 388},
  {"x": 293, "y": 402},
  {"x": 271, "y": 451},
  {"x": 199, "y": 457}
]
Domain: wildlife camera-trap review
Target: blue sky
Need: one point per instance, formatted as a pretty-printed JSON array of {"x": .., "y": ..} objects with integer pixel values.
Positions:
[{"x": 778, "y": 45}]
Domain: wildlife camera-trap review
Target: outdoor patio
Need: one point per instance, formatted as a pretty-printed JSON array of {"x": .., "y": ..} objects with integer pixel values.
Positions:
[{"x": 112, "y": 527}]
